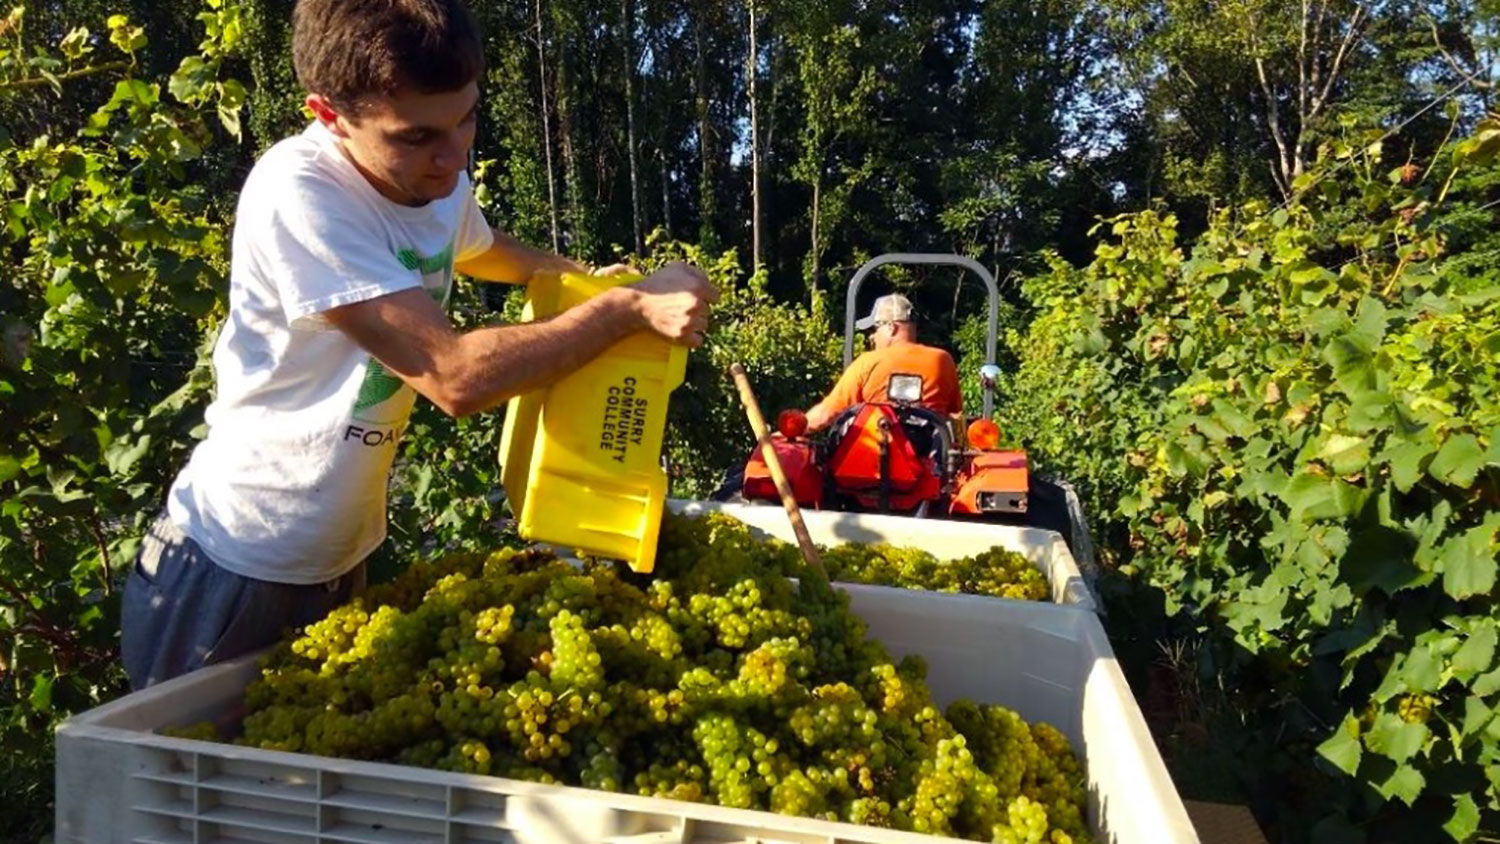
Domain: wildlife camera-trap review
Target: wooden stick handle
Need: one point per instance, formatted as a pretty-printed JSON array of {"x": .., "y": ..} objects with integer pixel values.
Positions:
[{"x": 768, "y": 451}]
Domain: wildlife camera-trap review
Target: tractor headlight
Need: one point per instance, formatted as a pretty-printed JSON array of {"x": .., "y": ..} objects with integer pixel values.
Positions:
[{"x": 906, "y": 388}]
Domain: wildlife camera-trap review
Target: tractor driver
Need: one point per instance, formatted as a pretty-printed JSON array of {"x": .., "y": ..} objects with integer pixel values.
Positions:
[{"x": 895, "y": 352}]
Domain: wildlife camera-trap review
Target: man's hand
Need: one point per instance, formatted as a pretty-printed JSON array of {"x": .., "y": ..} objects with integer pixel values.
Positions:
[
  {"x": 818, "y": 418},
  {"x": 615, "y": 269},
  {"x": 674, "y": 302}
]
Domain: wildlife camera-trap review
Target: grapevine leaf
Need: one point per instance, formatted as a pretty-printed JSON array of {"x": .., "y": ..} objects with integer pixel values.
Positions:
[
  {"x": 1477, "y": 653},
  {"x": 1379, "y": 557},
  {"x": 187, "y": 83},
  {"x": 1234, "y": 420},
  {"x": 1468, "y": 560},
  {"x": 41, "y": 692},
  {"x": 1464, "y": 821},
  {"x": 1353, "y": 365},
  {"x": 1306, "y": 272},
  {"x": 1370, "y": 410},
  {"x": 122, "y": 454},
  {"x": 1487, "y": 684},
  {"x": 1408, "y": 462},
  {"x": 1313, "y": 496},
  {"x": 1343, "y": 748},
  {"x": 1344, "y": 454},
  {"x": 1477, "y": 716},
  {"x": 1422, "y": 670},
  {"x": 1370, "y": 322},
  {"x": 1394, "y": 738},
  {"x": 1406, "y": 783},
  {"x": 1209, "y": 427},
  {"x": 1458, "y": 462}
]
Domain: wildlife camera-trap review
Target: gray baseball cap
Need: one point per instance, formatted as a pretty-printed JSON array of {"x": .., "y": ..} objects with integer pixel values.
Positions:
[{"x": 890, "y": 308}]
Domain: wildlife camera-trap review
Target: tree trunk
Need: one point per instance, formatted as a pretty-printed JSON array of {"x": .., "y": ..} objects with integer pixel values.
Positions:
[
  {"x": 666, "y": 191},
  {"x": 817, "y": 253},
  {"x": 706, "y": 201},
  {"x": 578, "y": 234},
  {"x": 627, "y": 24},
  {"x": 541, "y": 58},
  {"x": 752, "y": 66},
  {"x": 767, "y": 143},
  {"x": 775, "y": 81},
  {"x": 1321, "y": 60}
]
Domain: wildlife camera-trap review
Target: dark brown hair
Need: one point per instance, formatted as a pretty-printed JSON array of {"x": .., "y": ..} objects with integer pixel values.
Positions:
[{"x": 350, "y": 50}]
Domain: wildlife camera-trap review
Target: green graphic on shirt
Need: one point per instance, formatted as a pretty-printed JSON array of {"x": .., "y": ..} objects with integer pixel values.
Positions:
[
  {"x": 380, "y": 384},
  {"x": 440, "y": 262}
]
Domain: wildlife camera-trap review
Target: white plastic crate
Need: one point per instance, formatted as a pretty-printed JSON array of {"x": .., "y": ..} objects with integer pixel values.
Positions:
[
  {"x": 120, "y": 783},
  {"x": 944, "y": 539}
]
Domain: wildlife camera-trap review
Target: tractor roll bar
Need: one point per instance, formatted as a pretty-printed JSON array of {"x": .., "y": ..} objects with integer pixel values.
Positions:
[{"x": 851, "y": 308}]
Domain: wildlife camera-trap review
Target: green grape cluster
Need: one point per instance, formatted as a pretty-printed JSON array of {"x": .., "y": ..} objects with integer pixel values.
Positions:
[
  {"x": 678, "y": 780},
  {"x": 717, "y": 679},
  {"x": 998, "y": 572}
]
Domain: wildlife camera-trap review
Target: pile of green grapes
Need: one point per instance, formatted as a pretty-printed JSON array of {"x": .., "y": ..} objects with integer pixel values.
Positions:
[
  {"x": 715, "y": 680},
  {"x": 997, "y": 572}
]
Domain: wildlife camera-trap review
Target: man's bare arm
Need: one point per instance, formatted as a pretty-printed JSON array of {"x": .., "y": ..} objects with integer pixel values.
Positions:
[
  {"x": 513, "y": 262},
  {"x": 463, "y": 373},
  {"x": 819, "y": 416},
  {"x": 473, "y": 371},
  {"x": 843, "y": 396}
]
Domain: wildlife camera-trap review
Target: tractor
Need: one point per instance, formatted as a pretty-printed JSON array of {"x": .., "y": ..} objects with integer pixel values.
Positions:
[{"x": 901, "y": 458}]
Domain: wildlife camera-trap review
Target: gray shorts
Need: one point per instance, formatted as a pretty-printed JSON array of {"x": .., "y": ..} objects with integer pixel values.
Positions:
[{"x": 181, "y": 611}]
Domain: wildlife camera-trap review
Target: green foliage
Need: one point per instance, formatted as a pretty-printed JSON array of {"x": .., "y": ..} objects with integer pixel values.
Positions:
[
  {"x": 1333, "y": 546},
  {"x": 969, "y": 352},
  {"x": 520, "y": 180},
  {"x": 1240, "y": 96},
  {"x": 1292, "y": 427},
  {"x": 115, "y": 263},
  {"x": 445, "y": 492},
  {"x": 792, "y": 355},
  {"x": 838, "y": 91},
  {"x": 275, "y": 108}
]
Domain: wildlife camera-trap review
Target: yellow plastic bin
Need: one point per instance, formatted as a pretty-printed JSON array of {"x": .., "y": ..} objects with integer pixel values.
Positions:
[{"x": 581, "y": 460}]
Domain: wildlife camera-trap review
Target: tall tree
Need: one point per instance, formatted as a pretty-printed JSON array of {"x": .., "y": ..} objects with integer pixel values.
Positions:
[
  {"x": 752, "y": 74},
  {"x": 1466, "y": 33},
  {"x": 1030, "y": 130},
  {"x": 662, "y": 94},
  {"x": 627, "y": 52},
  {"x": 541, "y": 64},
  {"x": 1326, "y": 36},
  {"x": 707, "y": 192},
  {"x": 515, "y": 139},
  {"x": 838, "y": 92},
  {"x": 571, "y": 34},
  {"x": 275, "y": 97},
  {"x": 1240, "y": 95}
]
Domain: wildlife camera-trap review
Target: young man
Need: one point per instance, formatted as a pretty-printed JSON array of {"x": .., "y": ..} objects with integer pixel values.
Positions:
[
  {"x": 896, "y": 352},
  {"x": 345, "y": 243}
]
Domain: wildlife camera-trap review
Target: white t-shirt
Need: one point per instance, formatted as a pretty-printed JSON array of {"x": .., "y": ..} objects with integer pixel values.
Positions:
[{"x": 290, "y": 484}]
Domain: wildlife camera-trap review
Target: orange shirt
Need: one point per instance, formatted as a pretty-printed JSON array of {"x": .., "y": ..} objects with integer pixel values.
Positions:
[{"x": 866, "y": 379}]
